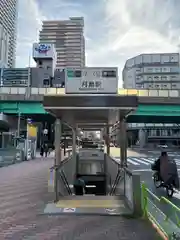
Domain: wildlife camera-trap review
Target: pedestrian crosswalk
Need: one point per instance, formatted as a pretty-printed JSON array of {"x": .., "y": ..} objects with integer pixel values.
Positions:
[
  {"x": 170, "y": 154},
  {"x": 145, "y": 161}
]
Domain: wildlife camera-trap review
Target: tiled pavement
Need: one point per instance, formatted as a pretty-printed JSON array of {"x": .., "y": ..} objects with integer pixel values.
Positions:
[{"x": 23, "y": 193}]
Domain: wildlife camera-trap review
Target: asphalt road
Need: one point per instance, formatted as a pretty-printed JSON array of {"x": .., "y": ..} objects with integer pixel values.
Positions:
[
  {"x": 23, "y": 195},
  {"x": 141, "y": 163}
]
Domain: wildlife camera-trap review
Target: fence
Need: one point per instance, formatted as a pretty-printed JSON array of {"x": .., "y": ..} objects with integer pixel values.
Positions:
[
  {"x": 7, "y": 139},
  {"x": 10, "y": 156},
  {"x": 167, "y": 218}
]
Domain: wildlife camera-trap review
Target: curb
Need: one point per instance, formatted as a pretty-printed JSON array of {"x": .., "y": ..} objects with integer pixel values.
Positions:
[{"x": 159, "y": 231}]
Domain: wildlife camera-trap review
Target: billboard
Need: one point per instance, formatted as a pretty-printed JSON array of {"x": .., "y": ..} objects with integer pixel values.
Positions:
[
  {"x": 91, "y": 80},
  {"x": 31, "y": 131},
  {"x": 43, "y": 50}
]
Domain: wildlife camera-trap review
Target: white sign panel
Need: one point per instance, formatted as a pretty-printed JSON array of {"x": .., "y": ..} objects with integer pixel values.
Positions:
[
  {"x": 66, "y": 210},
  {"x": 43, "y": 50},
  {"x": 92, "y": 80}
]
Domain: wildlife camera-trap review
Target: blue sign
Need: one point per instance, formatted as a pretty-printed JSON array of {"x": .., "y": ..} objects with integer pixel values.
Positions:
[{"x": 42, "y": 48}]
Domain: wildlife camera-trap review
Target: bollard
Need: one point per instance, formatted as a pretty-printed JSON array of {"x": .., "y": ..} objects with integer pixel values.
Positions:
[{"x": 136, "y": 188}]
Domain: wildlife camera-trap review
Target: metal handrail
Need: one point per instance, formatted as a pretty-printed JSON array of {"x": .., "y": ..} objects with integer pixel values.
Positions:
[
  {"x": 116, "y": 182},
  {"x": 64, "y": 179},
  {"x": 169, "y": 228}
]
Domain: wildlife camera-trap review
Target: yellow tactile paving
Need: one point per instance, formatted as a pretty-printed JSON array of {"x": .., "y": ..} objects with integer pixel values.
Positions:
[{"x": 89, "y": 203}]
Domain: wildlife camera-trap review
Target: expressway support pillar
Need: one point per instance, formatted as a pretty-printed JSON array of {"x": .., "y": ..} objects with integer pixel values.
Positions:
[
  {"x": 74, "y": 133},
  {"x": 57, "y": 160},
  {"x": 107, "y": 140},
  {"x": 123, "y": 142}
]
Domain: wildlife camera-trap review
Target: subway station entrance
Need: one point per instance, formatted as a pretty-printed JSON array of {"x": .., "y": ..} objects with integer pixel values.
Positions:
[{"x": 110, "y": 187}]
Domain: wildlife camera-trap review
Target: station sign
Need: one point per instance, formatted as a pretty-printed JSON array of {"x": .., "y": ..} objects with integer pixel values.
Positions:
[{"x": 91, "y": 80}]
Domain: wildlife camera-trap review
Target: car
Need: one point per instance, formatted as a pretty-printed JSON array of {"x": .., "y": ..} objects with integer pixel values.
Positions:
[{"x": 163, "y": 146}]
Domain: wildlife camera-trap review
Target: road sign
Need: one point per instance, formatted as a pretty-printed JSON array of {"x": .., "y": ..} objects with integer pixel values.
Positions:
[{"x": 92, "y": 80}]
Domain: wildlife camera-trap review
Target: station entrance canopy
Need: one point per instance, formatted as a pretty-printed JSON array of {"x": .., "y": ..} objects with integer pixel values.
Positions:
[{"x": 90, "y": 109}]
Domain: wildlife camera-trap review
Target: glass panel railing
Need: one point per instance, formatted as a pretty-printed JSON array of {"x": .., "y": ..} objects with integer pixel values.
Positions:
[
  {"x": 61, "y": 91},
  {"x": 22, "y": 90},
  {"x": 51, "y": 91},
  {"x": 122, "y": 92},
  {"x": 174, "y": 93},
  {"x": 132, "y": 92},
  {"x": 143, "y": 93},
  {"x": 42, "y": 91},
  {"x": 163, "y": 93},
  {"x": 5, "y": 90},
  {"x": 34, "y": 91},
  {"x": 152, "y": 93}
]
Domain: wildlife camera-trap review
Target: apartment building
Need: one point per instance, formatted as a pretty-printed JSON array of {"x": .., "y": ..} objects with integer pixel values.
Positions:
[
  {"x": 68, "y": 38},
  {"x": 8, "y": 32},
  {"x": 152, "y": 71}
]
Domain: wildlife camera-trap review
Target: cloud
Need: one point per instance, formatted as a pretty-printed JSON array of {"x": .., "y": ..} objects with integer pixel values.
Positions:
[
  {"x": 142, "y": 26},
  {"x": 29, "y": 24},
  {"x": 115, "y": 30}
]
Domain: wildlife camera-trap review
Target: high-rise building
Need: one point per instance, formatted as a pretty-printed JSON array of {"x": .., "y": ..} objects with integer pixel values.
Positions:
[
  {"x": 4, "y": 44},
  {"x": 8, "y": 31},
  {"x": 152, "y": 71},
  {"x": 68, "y": 38}
]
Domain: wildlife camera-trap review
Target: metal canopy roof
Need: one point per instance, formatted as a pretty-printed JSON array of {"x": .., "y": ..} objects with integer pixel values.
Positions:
[{"x": 89, "y": 109}]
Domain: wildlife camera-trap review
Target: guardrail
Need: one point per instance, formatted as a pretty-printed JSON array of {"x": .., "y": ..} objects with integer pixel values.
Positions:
[
  {"x": 143, "y": 202},
  {"x": 52, "y": 171},
  {"x": 168, "y": 223},
  {"x": 10, "y": 156},
  {"x": 62, "y": 169},
  {"x": 61, "y": 91}
]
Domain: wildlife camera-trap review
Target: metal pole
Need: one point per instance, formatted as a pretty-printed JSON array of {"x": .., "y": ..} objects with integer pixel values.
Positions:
[
  {"x": 57, "y": 159},
  {"x": 74, "y": 166},
  {"x": 123, "y": 142},
  {"x": 29, "y": 79},
  {"x": 107, "y": 140},
  {"x": 19, "y": 124}
]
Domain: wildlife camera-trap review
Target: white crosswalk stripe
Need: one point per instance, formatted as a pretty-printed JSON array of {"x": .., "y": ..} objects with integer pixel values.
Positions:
[
  {"x": 171, "y": 154},
  {"x": 137, "y": 161}
]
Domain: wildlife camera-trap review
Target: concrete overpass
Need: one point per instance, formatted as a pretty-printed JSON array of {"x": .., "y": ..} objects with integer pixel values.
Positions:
[{"x": 165, "y": 97}]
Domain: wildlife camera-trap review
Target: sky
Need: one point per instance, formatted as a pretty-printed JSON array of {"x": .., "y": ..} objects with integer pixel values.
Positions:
[{"x": 115, "y": 30}]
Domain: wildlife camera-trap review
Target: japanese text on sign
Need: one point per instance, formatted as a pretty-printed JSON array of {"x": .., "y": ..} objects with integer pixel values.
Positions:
[
  {"x": 96, "y": 74},
  {"x": 91, "y": 84}
]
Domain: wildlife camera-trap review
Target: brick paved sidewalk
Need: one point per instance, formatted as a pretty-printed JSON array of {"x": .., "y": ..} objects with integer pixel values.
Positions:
[{"x": 23, "y": 193}]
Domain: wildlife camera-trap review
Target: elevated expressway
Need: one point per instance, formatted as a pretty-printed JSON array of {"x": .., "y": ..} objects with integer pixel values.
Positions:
[{"x": 165, "y": 97}]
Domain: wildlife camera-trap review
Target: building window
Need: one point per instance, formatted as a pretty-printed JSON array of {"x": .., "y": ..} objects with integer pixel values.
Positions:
[
  {"x": 46, "y": 82},
  {"x": 163, "y": 78},
  {"x": 156, "y": 78},
  {"x": 165, "y": 70},
  {"x": 149, "y": 69},
  {"x": 157, "y": 69},
  {"x": 173, "y": 77},
  {"x": 174, "y": 86}
]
